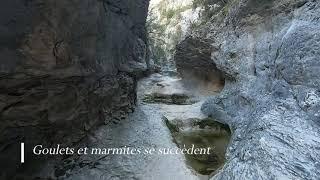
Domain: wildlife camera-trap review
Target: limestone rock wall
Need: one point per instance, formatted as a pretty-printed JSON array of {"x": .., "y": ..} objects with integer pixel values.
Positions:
[
  {"x": 66, "y": 66},
  {"x": 269, "y": 53},
  {"x": 194, "y": 64}
]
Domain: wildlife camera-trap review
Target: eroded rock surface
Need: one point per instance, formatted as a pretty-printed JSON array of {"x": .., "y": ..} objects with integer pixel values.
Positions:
[
  {"x": 194, "y": 64},
  {"x": 212, "y": 137},
  {"x": 168, "y": 90},
  {"x": 66, "y": 66},
  {"x": 269, "y": 53}
]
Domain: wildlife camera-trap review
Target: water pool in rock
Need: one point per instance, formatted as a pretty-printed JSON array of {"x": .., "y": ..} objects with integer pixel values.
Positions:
[{"x": 199, "y": 133}]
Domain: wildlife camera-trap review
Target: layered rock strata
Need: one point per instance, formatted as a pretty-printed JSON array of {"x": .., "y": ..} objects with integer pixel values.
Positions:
[{"x": 66, "y": 67}]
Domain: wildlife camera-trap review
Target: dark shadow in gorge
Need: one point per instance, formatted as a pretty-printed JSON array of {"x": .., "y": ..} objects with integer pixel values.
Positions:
[
  {"x": 194, "y": 64},
  {"x": 201, "y": 133}
]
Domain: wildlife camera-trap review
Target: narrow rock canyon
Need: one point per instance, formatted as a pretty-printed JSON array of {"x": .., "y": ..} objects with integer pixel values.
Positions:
[{"x": 235, "y": 80}]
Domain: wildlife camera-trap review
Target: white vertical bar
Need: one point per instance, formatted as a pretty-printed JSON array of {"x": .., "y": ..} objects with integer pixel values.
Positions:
[{"x": 22, "y": 152}]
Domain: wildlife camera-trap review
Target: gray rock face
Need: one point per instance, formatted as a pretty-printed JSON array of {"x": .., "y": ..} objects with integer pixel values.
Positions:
[
  {"x": 193, "y": 62},
  {"x": 66, "y": 66},
  {"x": 269, "y": 52}
]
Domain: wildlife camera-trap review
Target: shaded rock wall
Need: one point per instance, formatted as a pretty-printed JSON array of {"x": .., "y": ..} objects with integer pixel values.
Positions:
[
  {"x": 193, "y": 58},
  {"x": 269, "y": 53},
  {"x": 194, "y": 64},
  {"x": 66, "y": 66}
]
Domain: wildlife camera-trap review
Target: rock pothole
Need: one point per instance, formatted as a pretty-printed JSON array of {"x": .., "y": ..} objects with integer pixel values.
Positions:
[
  {"x": 177, "y": 99},
  {"x": 201, "y": 133}
]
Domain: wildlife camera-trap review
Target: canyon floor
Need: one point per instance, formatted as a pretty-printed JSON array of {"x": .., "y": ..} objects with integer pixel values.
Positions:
[{"x": 146, "y": 128}]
